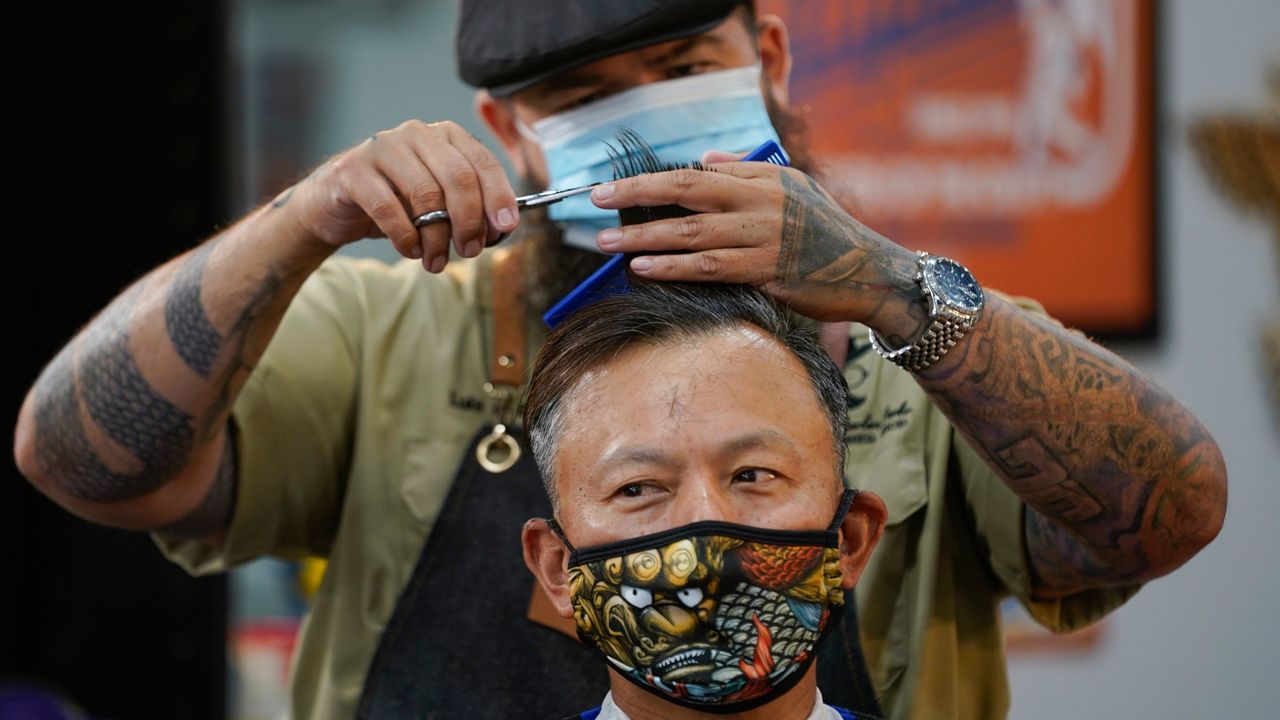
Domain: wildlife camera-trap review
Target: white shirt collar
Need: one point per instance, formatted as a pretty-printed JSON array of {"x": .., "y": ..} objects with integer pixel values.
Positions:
[{"x": 609, "y": 710}]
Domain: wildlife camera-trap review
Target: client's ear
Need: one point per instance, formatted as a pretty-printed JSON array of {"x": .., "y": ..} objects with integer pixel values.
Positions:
[
  {"x": 859, "y": 532},
  {"x": 548, "y": 560}
]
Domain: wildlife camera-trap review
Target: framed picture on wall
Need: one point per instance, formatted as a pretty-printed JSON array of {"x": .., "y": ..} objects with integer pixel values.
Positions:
[{"x": 1012, "y": 135}]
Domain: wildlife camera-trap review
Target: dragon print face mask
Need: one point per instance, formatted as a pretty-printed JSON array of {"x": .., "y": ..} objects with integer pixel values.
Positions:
[{"x": 714, "y": 616}]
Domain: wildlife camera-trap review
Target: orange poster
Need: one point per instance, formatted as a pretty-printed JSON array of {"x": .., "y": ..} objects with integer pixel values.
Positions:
[{"x": 1012, "y": 135}]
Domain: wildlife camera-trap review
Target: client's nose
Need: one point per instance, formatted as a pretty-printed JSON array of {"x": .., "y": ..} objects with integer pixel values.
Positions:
[{"x": 704, "y": 497}]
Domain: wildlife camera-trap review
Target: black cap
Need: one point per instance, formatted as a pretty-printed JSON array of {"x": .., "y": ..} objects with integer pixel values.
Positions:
[{"x": 508, "y": 45}]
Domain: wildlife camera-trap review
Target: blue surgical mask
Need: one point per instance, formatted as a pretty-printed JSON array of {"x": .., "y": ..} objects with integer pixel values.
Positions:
[{"x": 681, "y": 119}]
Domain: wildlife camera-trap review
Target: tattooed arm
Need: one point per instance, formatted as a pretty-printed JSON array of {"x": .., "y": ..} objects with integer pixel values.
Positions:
[
  {"x": 1122, "y": 483},
  {"x": 127, "y": 425}
]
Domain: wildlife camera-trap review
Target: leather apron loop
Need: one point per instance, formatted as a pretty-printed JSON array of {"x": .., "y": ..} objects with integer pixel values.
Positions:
[{"x": 498, "y": 451}]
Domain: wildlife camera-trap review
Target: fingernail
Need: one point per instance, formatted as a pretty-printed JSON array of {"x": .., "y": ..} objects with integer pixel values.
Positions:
[
  {"x": 506, "y": 218},
  {"x": 415, "y": 252},
  {"x": 437, "y": 264},
  {"x": 471, "y": 249},
  {"x": 603, "y": 192},
  {"x": 642, "y": 264},
  {"x": 609, "y": 238}
]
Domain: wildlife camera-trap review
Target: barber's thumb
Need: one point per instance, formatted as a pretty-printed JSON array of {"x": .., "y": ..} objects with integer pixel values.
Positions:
[{"x": 712, "y": 157}]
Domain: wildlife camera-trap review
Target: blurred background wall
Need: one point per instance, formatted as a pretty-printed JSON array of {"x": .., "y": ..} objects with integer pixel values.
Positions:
[
  {"x": 1203, "y": 641},
  {"x": 308, "y": 78}
]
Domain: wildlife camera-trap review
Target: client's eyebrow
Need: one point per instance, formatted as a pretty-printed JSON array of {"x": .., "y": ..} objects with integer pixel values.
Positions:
[
  {"x": 639, "y": 455},
  {"x": 643, "y": 455},
  {"x": 762, "y": 438}
]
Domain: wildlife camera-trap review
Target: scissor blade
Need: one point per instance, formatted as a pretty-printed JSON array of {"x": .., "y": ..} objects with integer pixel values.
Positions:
[
  {"x": 549, "y": 197},
  {"x": 546, "y": 197}
]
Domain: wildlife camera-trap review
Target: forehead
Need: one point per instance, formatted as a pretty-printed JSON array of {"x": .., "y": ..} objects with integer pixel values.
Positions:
[{"x": 693, "y": 396}]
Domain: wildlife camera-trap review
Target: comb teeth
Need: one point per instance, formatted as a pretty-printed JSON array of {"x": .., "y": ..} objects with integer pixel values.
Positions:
[{"x": 769, "y": 152}]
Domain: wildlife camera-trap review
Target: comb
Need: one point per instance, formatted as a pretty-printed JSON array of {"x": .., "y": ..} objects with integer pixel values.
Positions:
[{"x": 637, "y": 157}]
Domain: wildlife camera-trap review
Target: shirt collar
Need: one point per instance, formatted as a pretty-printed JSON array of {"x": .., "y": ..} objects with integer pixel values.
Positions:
[{"x": 609, "y": 710}]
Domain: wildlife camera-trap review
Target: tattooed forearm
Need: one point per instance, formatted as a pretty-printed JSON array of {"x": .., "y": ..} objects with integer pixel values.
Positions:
[
  {"x": 192, "y": 334},
  {"x": 122, "y": 426},
  {"x": 1044, "y": 479},
  {"x": 104, "y": 430},
  {"x": 283, "y": 198},
  {"x": 256, "y": 310},
  {"x": 1122, "y": 482},
  {"x": 95, "y": 387}
]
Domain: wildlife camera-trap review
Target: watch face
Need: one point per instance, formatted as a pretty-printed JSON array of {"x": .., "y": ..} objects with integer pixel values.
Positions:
[{"x": 954, "y": 284}]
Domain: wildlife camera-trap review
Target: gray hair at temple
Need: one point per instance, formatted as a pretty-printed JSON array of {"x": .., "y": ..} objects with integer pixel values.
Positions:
[{"x": 666, "y": 314}]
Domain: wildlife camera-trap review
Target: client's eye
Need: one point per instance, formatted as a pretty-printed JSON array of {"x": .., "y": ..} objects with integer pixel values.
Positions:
[
  {"x": 637, "y": 597},
  {"x": 690, "y": 596},
  {"x": 751, "y": 475}
]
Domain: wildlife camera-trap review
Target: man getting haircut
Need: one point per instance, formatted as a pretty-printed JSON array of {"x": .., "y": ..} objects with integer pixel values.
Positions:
[{"x": 690, "y": 440}]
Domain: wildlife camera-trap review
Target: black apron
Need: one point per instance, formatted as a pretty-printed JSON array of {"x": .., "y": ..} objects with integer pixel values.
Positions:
[{"x": 459, "y": 644}]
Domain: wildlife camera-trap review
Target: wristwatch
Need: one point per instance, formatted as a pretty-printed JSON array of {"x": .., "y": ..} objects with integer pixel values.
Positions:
[{"x": 955, "y": 302}]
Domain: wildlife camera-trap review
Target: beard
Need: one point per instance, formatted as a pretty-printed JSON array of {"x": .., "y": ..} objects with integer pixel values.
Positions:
[{"x": 552, "y": 269}]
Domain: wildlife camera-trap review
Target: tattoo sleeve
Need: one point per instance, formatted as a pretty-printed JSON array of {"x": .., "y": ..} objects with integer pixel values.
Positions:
[
  {"x": 96, "y": 388},
  {"x": 132, "y": 400},
  {"x": 1123, "y": 484}
]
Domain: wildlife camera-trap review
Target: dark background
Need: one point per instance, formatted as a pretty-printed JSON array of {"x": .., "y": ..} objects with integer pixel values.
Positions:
[{"x": 118, "y": 163}]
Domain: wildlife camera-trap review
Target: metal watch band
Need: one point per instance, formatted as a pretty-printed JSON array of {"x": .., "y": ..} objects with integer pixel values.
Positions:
[
  {"x": 948, "y": 324},
  {"x": 941, "y": 335}
]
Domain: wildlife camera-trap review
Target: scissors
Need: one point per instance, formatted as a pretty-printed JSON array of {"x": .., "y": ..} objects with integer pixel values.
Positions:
[{"x": 546, "y": 197}]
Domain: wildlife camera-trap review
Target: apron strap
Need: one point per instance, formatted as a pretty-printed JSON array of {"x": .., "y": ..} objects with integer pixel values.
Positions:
[
  {"x": 507, "y": 358},
  {"x": 506, "y": 369}
]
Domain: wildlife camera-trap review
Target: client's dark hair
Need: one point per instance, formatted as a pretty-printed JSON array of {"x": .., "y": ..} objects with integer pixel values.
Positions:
[{"x": 661, "y": 314}]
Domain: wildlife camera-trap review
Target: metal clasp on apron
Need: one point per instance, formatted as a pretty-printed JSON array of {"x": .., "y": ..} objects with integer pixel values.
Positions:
[{"x": 498, "y": 451}]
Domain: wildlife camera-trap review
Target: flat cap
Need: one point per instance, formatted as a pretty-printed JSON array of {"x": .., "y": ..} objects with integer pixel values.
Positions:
[{"x": 508, "y": 45}]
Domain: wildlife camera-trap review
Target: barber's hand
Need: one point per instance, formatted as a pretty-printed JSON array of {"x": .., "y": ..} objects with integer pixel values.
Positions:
[
  {"x": 378, "y": 187},
  {"x": 771, "y": 227}
]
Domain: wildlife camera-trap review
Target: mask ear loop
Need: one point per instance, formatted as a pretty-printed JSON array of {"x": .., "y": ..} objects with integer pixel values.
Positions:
[
  {"x": 846, "y": 502},
  {"x": 559, "y": 531},
  {"x": 527, "y": 132}
]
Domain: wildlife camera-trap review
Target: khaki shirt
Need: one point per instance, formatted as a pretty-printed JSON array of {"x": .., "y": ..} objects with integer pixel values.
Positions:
[{"x": 351, "y": 428}]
